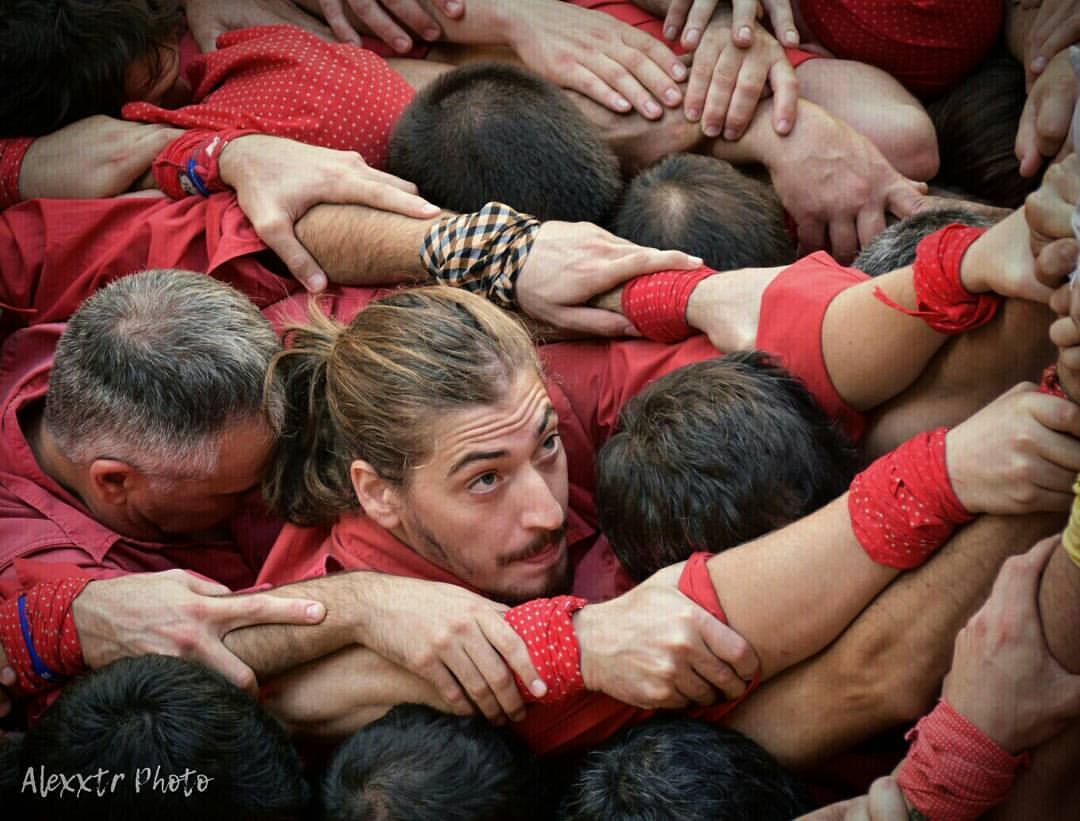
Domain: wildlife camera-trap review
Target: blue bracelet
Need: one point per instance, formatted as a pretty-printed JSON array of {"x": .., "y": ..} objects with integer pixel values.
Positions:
[
  {"x": 40, "y": 667},
  {"x": 196, "y": 180}
]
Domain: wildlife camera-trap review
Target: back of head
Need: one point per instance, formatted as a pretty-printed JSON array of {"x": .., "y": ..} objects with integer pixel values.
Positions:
[
  {"x": 154, "y": 367},
  {"x": 490, "y": 132},
  {"x": 678, "y": 768},
  {"x": 895, "y": 247},
  {"x": 976, "y": 124},
  {"x": 143, "y": 723},
  {"x": 704, "y": 206},
  {"x": 63, "y": 60},
  {"x": 713, "y": 455},
  {"x": 416, "y": 764},
  {"x": 371, "y": 390}
]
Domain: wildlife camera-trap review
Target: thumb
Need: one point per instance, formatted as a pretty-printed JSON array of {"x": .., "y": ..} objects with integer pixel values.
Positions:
[{"x": 296, "y": 258}]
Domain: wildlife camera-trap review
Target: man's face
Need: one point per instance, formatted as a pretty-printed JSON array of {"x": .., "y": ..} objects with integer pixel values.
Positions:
[
  {"x": 161, "y": 510},
  {"x": 490, "y": 504}
]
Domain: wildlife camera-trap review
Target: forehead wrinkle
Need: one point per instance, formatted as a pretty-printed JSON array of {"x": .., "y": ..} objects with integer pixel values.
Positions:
[{"x": 493, "y": 423}]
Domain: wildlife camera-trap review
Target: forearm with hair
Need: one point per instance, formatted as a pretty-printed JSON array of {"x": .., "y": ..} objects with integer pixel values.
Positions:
[
  {"x": 357, "y": 245},
  {"x": 887, "y": 667},
  {"x": 1059, "y": 607},
  {"x": 337, "y": 695},
  {"x": 272, "y": 648}
]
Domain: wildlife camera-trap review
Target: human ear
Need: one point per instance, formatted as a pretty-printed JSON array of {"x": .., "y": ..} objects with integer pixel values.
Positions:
[{"x": 379, "y": 498}]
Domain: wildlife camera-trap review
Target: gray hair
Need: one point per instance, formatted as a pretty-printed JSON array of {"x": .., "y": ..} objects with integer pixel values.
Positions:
[
  {"x": 895, "y": 246},
  {"x": 153, "y": 369}
]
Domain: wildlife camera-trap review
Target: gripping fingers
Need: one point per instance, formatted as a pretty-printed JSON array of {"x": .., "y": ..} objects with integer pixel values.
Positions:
[
  {"x": 675, "y": 19},
  {"x": 214, "y": 655},
  {"x": 701, "y": 74},
  {"x": 785, "y": 88},
  {"x": 334, "y": 14},
  {"x": 616, "y": 75},
  {"x": 725, "y": 645},
  {"x": 743, "y": 20},
  {"x": 233, "y": 612},
  {"x": 783, "y": 21},
  {"x": 722, "y": 87},
  {"x": 694, "y": 688},
  {"x": 869, "y": 223},
  {"x": 413, "y": 15},
  {"x": 654, "y": 64},
  {"x": 843, "y": 240},
  {"x": 513, "y": 650},
  {"x": 499, "y": 680},
  {"x": 475, "y": 685},
  {"x": 381, "y": 24},
  {"x": 279, "y": 237},
  {"x": 749, "y": 87}
]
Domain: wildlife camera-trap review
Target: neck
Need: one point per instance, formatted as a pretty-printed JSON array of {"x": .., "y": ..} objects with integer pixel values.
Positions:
[{"x": 50, "y": 458}]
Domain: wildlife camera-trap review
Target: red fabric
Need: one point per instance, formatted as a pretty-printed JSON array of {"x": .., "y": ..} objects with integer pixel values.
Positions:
[
  {"x": 656, "y": 303},
  {"x": 56, "y": 253},
  {"x": 52, "y": 631},
  {"x": 903, "y": 507},
  {"x": 284, "y": 81},
  {"x": 41, "y": 521},
  {"x": 954, "y": 771},
  {"x": 928, "y": 45},
  {"x": 637, "y": 17},
  {"x": 12, "y": 153},
  {"x": 547, "y": 627},
  {"x": 189, "y": 164},
  {"x": 1049, "y": 383},
  {"x": 944, "y": 303}
]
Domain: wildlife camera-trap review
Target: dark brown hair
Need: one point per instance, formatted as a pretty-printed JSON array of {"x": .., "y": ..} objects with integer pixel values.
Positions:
[{"x": 64, "y": 60}]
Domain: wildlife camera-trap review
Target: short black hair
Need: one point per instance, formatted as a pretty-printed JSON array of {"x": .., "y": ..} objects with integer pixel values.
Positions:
[
  {"x": 417, "y": 764},
  {"x": 708, "y": 208},
  {"x": 64, "y": 60},
  {"x": 678, "y": 768},
  {"x": 895, "y": 246},
  {"x": 141, "y": 720},
  {"x": 490, "y": 132},
  {"x": 976, "y": 123},
  {"x": 712, "y": 455}
]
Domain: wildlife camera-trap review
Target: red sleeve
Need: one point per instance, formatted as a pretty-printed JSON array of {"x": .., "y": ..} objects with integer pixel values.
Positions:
[
  {"x": 792, "y": 315},
  {"x": 56, "y": 253},
  {"x": 12, "y": 153}
]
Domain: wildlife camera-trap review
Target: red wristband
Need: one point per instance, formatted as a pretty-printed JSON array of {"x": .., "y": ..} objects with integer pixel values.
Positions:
[
  {"x": 189, "y": 164},
  {"x": 944, "y": 303},
  {"x": 547, "y": 627},
  {"x": 54, "y": 640},
  {"x": 12, "y": 153},
  {"x": 656, "y": 303},
  {"x": 903, "y": 507},
  {"x": 954, "y": 771}
]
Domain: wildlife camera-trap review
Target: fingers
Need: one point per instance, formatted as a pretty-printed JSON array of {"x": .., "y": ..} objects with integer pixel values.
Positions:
[
  {"x": 372, "y": 15},
  {"x": 653, "y": 64},
  {"x": 498, "y": 680},
  {"x": 886, "y": 801},
  {"x": 1056, "y": 35},
  {"x": 722, "y": 87},
  {"x": 743, "y": 20},
  {"x": 728, "y": 646},
  {"x": 593, "y": 322},
  {"x": 1056, "y": 261},
  {"x": 1056, "y": 414},
  {"x": 1026, "y": 146},
  {"x": 513, "y": 650},
  {"x": 694, "y": 689},
  {"x": 585, "y": 81},
  {"x": 785, "y": 88},
  {"x": 783, "y": 21},
  {"x": 749, "y": 87},
  {"x": 233, "y": 612},
  {"x": 415, "y": 17},
  {"x": 465, "y": 670},
  {"x": 204, "y": 587},
  {"x": 452, "y": 8},
  {"x": 386, "y": 193},
  {"x": 214, "y": 655},
  {"x": 334, "y": 13},
  {"x": 644, "y": 261},
  {"x": 703, "y": 81},
  {"x": 1052, "y": 121},
  {"x": 843, "y": 240},
  {"x": 676, "y": 17},
  {"x": 615, "y": 75},
  {"x": 811, "y": 235},
  {"x": 278, "y": 235},
  {"x": 701, "y": 13},
  {"x": 869, "y": 222}
]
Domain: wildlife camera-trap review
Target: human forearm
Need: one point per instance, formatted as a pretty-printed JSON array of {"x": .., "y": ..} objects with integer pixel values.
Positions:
[
  {"x": 357, "y": 245},
  {"x": 886, "y": 668},
  {"x": 334, "y": 696},
  {"x": 817, "y": 559}
]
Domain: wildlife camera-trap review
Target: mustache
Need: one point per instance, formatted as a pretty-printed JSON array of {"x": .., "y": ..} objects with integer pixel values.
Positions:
[{"x": 537, "y": 545}]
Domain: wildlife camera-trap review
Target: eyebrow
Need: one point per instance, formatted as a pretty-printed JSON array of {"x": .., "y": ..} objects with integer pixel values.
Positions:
[{"x": 485, "y": 455}]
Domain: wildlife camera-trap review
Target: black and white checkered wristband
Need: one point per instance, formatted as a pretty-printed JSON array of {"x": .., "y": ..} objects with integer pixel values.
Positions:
[{"x": 482, "y": 252}]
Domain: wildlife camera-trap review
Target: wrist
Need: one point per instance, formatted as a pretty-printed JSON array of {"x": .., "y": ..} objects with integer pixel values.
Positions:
[
  {"x": 585, "y": 627},
  {"x": 973, "y": 266},
  {"x": 234, "y": 160}
]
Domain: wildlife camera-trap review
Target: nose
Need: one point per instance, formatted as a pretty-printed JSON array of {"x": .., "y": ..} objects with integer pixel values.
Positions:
[{"x": 541, "y": 508}]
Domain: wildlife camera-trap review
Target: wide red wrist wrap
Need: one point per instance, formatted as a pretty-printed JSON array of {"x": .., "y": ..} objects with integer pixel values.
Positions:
[
  {"x": 51, "y": 623},
  {"x": 189, "y": 164},
  {"x": 903, "y": 507},
  {"x": 547, "y": 628},
  {"x": 656, "y": 303},
  {"x": 12, "y": 153},
  {"x": 944, "y": 303},
  {"x": 954, "y": 771}
]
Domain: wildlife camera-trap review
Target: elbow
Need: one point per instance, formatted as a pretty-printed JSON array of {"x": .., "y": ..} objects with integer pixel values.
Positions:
[{"x": 910, "y": 144}]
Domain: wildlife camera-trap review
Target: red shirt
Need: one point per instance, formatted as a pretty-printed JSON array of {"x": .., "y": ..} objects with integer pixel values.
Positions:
[
  {"x": 588, "y": 384},
  {"x": 56, "y": 253},
  {"x": 284, "y": 81},
  {"x": 928, "y": 45},
  {"x": 41, "y": 522}
]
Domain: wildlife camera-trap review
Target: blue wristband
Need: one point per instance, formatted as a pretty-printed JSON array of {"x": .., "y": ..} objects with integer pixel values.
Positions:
[
  {"x": 196, "y": 180},
  {"x": 40, "y": 667}
]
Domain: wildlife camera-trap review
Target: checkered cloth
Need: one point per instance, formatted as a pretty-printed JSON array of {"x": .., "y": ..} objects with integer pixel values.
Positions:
[{"x": 483, "y": 252}]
